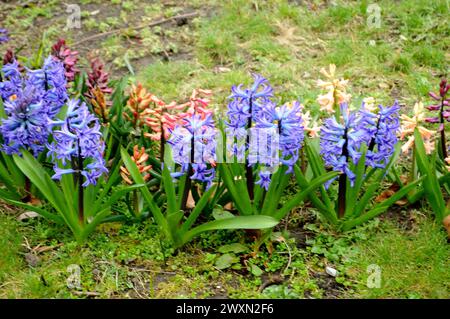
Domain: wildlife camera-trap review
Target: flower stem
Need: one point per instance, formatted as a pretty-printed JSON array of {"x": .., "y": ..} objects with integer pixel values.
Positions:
[
  {"x": 27, "y": 189},
  {"x": 136, "y": 203},
  {"x": 413, "y": 176},
  {"x": 336, "y": 105},
  {"x": 188, "y": 184},
  {"x": 80, "y": 187},
  {"x": 372, "y": 141},
  {"x": 248, "y": 168},
  {"x": 342, "y": 189},
  {"x": 303, "y": 159},
  {"x": 163, "y": 142},
  {"x": 341, "y": 197},
  {"x": 443, "y": 141},
  {"x": 163, "y": 139}
]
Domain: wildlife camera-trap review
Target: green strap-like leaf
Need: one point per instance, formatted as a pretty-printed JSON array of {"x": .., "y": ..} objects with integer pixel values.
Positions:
[
  {"x": 317, "y": 166},
  {"x": 14, "y": 170},
  {"x": 38, "y": 176},
  {"x": 197, "y": 210},
  {"x": 367, "y": 196},
  {"x": 137, "y": 177},
  {"x": 314, "y": 184},
  {"x": 238, "y": 222},
  {"x": 103, "y": 188},
  {"x": 8, "y": 180},
  {"x": 431, "y": 183},
  {"x": 381, "y": 207},
  {"x": 57, "y": 219},
  {"x": 241, "y": 202},
  {"x": 118, "y": 194},
  {"x": 169, "y": 188},
  {"x": 353, "y": 192},
  {"x": 276, "y": 190},
  {"x": 328, "y": 212}
]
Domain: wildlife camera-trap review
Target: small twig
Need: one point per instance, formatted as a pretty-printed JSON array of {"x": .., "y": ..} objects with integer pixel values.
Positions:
[
  {"x": 290, "y": 256},
  {"x": 86, "y": 293},
  {"x": 42, "y": 249},
  {"x": 142, "y": 285},
  {"x": 10, "y": 283},
  {"x": 293, "y": 273},
  {"x": 27, "y": 244},
  {"x": 154, "y": 271},
  {"x": 149, "y": 25}
]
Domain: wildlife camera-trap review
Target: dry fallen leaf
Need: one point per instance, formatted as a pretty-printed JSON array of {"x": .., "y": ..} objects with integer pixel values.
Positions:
[
  {"x": 221, "y": 69},
  {"x": 391, "y": 192},
  {"x": 229, "y": 206},
  {"x": 190, "y": 204},
  {"x": 35, "y": 201},
  {"x": 41, "y": 249}
]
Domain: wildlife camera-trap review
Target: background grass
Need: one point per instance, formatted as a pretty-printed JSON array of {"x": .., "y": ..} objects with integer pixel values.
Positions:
[{"x": 413, "y": 265}]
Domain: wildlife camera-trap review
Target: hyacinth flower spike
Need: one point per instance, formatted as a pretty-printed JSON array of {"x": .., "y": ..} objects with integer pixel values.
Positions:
[
  {"x": 340, "y": 144},
  {"x": 381, "y": 128},
  {"x": 409, "y": 124},
  {"x": 78, "y": 142},
  {"x": 97, "y": 88},
  {"x": 245, "y": 109},
  {"x": 30, "y": 100},
  {"x": 26, "y": 125},
  {"x": 138, "y": 102},
  {"x": 161, "y": 119},
  {"x": 198, "y": 104},
  {"x": 193, "y": 148},
  {"x": 336, "y": 91},
  {"x": 442, "y": 107},
  {"x": 286, "y": 121},
  {"x": 61, "y": 52},
  {"x": 360, "y": 146}
]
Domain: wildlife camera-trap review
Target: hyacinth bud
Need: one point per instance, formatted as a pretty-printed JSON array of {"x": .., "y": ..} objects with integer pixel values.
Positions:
[
  {"x": 432, "y": 120},
  {"x": 161, "y": 117},
  {"x": 335, "y": 88},
  {"x": 69, "y": 58},
  {"x": 446, "y": 115},
  {"x": 199, "y": 133},
  {"x": 433, "y": 96},
  {"x": 443, "y": 88},
  {"x": 10, "y": 58},
  {"x": 443, "y": 102},
  {"x": 139, "y": 158},
  {"x": 198, "y": 103},
  {"x": 98, "y": 78},
  {"x": 99, "y": 105},
  {"x": 433, "y": 107},
  {"x": 137, "y": 103}
]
